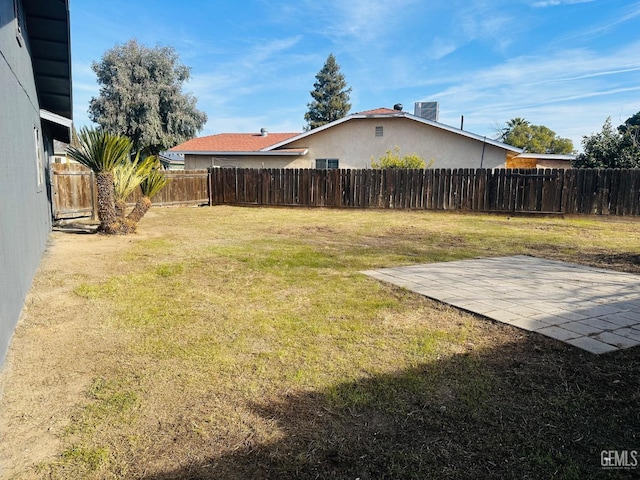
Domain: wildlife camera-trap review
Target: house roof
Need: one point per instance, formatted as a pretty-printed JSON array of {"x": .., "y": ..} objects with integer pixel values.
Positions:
[
  {"x": 387, "y": 112},
  {"x": 276, "y": 143},
  {"x": 232, "y": 142},
  {"x": 48, "y": 30},
  {"x": 380, "y": 111},
  {"x": 547, "y": 156}
]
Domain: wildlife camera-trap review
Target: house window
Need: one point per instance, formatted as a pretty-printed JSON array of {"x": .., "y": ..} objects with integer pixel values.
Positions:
[
  {"x": 39, "y": 155},
  {"x": 379, "y": 131},
  {"x": 324, "y": 163}
]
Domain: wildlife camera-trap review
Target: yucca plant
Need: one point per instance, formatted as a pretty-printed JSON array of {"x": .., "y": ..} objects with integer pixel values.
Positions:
[
  {"x": 127, "y": 177},
  {"x": 102, "y": 152},
  {"x": 150, "y": 186}
]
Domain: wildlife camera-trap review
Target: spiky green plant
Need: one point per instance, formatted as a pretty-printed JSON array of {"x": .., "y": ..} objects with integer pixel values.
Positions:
[
  {"x": 127, "y": 177},
  {"x": 102, "y": 152},
  {"x": 150, "y": 186}
]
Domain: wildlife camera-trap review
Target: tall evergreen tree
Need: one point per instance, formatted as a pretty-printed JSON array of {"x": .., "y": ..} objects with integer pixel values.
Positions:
[
  {"x": 330, "y": 96},
  {"x": 141, "y": 97}
]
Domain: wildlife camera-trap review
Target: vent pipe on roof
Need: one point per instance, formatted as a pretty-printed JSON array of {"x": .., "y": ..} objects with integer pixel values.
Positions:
[
  {"x": 264, "y": 132},
  {"x": 398, "y": 107}
]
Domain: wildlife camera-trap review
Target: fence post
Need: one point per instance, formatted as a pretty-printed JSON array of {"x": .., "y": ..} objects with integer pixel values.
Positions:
[{"x": 210, "y": 185}]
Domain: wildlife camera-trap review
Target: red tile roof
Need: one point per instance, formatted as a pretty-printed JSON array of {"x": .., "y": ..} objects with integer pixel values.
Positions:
[
  {"x": 380, "y": 111},
  {"x": 232, "y": 142}
]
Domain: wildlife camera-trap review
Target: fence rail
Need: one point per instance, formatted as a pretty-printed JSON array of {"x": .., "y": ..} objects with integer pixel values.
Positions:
[{"x": 572, "y": 191}]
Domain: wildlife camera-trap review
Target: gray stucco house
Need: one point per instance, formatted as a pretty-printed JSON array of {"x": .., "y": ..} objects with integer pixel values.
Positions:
[{"x": 35, "y": 109}]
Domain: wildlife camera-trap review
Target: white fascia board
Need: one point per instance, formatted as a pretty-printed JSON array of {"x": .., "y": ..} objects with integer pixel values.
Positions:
[
  {"x": 55, "y": 118},
  {"x": 464, "y": 133},
  {"x": 307, "y": 134},
  {"x": 547, "y": 156},
  {"x": 406, "y": 115},
  {"x": 259, "y": 153}
]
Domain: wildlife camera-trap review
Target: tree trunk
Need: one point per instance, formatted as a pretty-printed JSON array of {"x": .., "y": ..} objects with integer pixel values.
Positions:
[
  {"x": 106, "y": 203},
  {"x": 142, "y": 206},
  {"x": 121, "y": 207}
]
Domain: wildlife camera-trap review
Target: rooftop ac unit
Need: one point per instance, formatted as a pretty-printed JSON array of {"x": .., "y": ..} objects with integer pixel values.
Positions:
[{"x": 427, "y": 110}]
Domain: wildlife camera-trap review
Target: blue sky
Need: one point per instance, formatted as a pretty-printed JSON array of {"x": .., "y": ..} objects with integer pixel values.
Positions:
[{"x": 566, "y": 64}]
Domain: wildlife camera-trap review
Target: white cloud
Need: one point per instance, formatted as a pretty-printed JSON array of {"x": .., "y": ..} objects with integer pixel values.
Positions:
[
  {"x": 441, "y": 47},
  {"x": 555, "y": 3},
  {"x": 570, "y": 91}
]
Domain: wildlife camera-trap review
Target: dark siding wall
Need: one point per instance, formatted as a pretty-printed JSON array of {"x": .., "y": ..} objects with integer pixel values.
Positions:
[{"x": 25, "y": 219}]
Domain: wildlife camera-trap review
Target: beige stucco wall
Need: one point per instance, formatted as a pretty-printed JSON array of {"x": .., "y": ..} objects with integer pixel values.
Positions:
[
  {"x": 354, "y": 144},
  {"x": 195, "y": 162}
]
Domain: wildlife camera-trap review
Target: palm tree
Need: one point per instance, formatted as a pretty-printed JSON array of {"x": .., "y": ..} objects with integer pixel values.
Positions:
[
  {"x": 517, "y": 122},
  {"x": 150, "y": 186},
  {"x": 102, "y": 152}
]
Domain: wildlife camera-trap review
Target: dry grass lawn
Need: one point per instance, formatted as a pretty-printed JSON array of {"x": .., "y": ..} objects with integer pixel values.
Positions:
[{"x": 236, "y": 343}]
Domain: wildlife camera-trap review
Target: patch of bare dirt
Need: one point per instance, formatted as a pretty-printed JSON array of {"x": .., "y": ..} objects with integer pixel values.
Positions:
[{"x": 39, "y": 385}]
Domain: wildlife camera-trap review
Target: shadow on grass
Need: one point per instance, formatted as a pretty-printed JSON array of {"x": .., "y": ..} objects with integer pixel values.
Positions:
[{"x": 533, "y": 408}]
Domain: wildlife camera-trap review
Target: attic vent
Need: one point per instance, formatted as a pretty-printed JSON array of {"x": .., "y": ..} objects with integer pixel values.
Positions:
[{"x": 379, "y": 131}]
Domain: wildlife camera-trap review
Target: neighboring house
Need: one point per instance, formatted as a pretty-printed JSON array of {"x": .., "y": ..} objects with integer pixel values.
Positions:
[
  {"x": 541, "y": 160},
  {"x": 35, "y": 108},
  {"x": 60, "y": 153},
  {"x": 350, "y": 142},
  {"x": 171, "y": 161},
  {"x": 248, "y": 150}
]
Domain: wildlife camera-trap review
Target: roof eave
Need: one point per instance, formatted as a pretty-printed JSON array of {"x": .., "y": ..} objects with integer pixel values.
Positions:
[
  {"x": 59, "y": 126},
  {"x": 306, "y": 134},
  {"x": 259, "y": 153},
  {"x": 464, "y": 133},
  {"x": 549, "y": 156},
  {"x": 48, "y": 29},
  {"x": 441, "y": 126}
]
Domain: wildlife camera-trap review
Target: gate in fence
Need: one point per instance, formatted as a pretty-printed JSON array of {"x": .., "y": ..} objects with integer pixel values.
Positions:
[
  {"x": 74, "y": 190},
  {"x": 74, "y": 193}
]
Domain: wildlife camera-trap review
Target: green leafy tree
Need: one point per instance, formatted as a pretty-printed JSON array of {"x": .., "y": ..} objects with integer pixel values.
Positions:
[
  {"x": 330, "y": 96},
  {"x": 610, "y": 148},
  {"x": 631, "y": 124},
  {"x": 630, "y": 130},
  {"x": 102, "y": 152},
  {"x": 141, "y": 97},
  {"x": 393, "y": 159},
  {"x": 534, "y": 138}
]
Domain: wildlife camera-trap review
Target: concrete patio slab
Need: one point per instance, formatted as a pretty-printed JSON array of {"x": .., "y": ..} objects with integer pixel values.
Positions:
[{"x": 595, "y": 309}]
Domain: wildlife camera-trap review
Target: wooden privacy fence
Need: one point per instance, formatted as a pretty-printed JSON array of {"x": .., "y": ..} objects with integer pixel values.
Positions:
[
  {"x": 573, "y": 191},
  {"x": 74, "y": 190}
]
